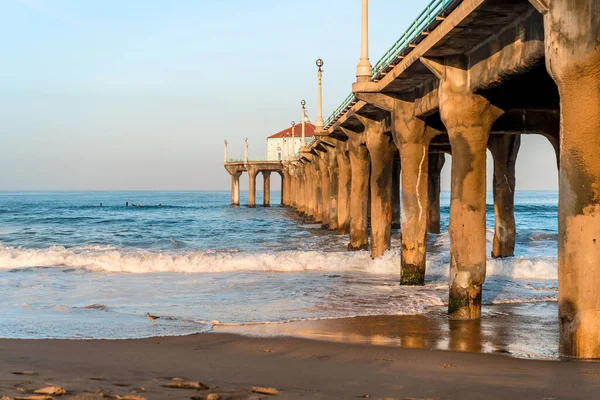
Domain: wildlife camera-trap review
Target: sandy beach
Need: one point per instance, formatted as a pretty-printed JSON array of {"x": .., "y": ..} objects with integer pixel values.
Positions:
[{"x": 230, "y": 365}]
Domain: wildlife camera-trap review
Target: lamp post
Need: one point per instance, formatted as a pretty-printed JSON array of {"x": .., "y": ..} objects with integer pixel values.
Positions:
[
  {"x": 293, "y": 139},
  {"x": 364, "y": 70},
  {"x": 302, "y": 142},
  {"x": 246, "y": 150},
  {"x": 225, "y": 150},
  {"x": 319, "y": 123},
  {"x": 285, "y": 147}
]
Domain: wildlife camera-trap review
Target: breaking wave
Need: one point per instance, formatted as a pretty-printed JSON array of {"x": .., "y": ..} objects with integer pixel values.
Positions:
[{"x": 114, "y": 259}]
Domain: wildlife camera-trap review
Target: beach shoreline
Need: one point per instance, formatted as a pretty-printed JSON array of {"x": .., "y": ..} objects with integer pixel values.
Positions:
[{"x": 231, "y": 364}]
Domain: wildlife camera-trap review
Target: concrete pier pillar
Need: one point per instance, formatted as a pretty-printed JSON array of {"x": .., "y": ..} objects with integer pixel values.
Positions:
[
  {"x": 309, "y": 190},
  {"x": 285, "y": 186},
  {"x": 317, "y": 190},
  {"x": 359, "y": 194},
  {"x": 381, "y": 149},
  {"x": 325, "y": 192},
  {"x": 344, "y": 187},
  {"x": 252, "y": 188},
  {"x": 504, "y": 149},
  {"x": 412, "y": 136},
  {"x": 235, "y": 188},
  {"x": 295, "y": 186},
  {"x": 468, "y": 119},
  {"x": 266, "y": 188},
  {"x": 333, "y": 189},
  {"x": 302, "y": 198},
  {"x": 396, "y": 193},
  {"x": 573, "y": 61},
  {"x": 436, "y": 163}
]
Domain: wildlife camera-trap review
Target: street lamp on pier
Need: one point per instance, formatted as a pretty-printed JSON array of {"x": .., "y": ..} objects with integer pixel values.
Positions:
[
  {"x": 364, "y": 70},
  {"x": 293, "y": 139},
  {"x": 319, "y": 123},
  {"x": 303, "y": 142}
]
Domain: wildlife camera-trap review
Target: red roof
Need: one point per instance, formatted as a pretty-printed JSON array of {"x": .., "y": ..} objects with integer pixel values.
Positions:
[{"x": 309, "y": 131}]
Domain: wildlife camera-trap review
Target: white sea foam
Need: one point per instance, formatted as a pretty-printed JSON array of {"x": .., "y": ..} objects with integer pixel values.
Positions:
[{"x": 113, "y": 259}]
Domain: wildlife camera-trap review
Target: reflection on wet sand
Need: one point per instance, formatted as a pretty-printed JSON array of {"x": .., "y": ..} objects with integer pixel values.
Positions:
[{"x": 521, "y": 330}]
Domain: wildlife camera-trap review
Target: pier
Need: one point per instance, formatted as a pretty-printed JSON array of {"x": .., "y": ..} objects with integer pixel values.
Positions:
[{"x": 466, "y": 76}]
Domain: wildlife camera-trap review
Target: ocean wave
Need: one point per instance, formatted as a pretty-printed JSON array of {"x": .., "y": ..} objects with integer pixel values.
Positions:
[{"x": 114, "y": 259}]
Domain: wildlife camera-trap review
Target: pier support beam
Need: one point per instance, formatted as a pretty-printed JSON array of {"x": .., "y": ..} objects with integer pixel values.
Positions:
[
  {"x": 235, "y": 188},
  {"x": 573, "y": 61},
  {"x": 317, "y": 190},
  {"x": 325, "y": 186},
  {"x": 359, "y": 194},
  {"x": 468, "y": 118},
  {"x": 344, "y": 187},
  {"x": 396, "y": 193},
  {"x": 252, "y": 187},
  {"x": 381, "y": 154},
  {"x": 504, "y": 149},
  {"x": 411, "y": 136},
  {"x": 334, "y": 180},
  {"x": 267, "y": 188},
  {"x": 310, "y": 188},
  {"x": 436, "y": 163}
]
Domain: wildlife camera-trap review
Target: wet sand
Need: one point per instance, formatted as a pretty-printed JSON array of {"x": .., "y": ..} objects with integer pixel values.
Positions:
[
  {"x": 230, "y": 365},
  {"x": 526, "y": 330}
]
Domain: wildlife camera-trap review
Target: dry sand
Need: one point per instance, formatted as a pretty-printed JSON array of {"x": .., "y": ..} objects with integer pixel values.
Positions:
[{"x": 230, "y": 365}]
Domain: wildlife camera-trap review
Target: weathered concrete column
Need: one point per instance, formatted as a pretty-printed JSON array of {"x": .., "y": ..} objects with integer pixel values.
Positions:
[
  {"x": 436, "y": 163},
  {"x": 295, "y": 188},
  {"x": 359, "y": 194},
  {"x": 381, "y": 154},
  {"x": 468, "y": 119},
  {"x": 333, "y": 189},
  {"x": 252, "y": 187},
  {"x": 317, "y": 190},
  {"x": 309, "y": 192},
  {"x": 285, "y": 186},
  {"x": 325, "y": 194},
  {"x": 301, "y": 171},
  {"x": 411, "y": 136},
  {"x": 266, "y": 188},
  {"x": 344, "y": 187},
  {"x": 504, "y": 149},
  {"x": 235, "y": 188},
  {"x": 396, "y": 194},
  {"x": 573, "y": 60}
]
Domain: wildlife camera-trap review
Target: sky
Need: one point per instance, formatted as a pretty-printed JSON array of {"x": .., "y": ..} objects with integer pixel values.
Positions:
[{"x": 140, "y": 94}]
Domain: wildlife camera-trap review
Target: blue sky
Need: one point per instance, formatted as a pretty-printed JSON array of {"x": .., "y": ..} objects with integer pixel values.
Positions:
[{"x": 140, "y": 94}]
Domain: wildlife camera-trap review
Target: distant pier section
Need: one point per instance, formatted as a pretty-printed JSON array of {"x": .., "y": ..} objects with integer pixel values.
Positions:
[{"x": 282, "y": 148}]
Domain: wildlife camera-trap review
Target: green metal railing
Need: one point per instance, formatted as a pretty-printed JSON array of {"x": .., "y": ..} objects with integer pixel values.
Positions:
[
  {"x": 338, "y": 111},
  {"x": 423, "y": 21},
  {"x": 429, "y": 15}
]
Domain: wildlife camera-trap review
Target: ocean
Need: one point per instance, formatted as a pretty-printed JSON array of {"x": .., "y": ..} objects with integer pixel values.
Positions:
[{"x": 72, "y": 269}]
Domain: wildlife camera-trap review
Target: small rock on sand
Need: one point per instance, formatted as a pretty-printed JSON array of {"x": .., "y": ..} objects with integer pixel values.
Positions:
[
  {"x": 35, "y": 397},
  {"x": 24, "y": 373},
  {"x": 265, "y": 390},
  {"x": 51, "y": 390},
  {"x": 188, "y": 385},
  {"x": 213, "y": 396},
  {"x": 130, "y": 397}
]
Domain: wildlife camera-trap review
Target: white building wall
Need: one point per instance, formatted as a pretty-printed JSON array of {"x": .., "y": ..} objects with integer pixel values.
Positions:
[{"x": 276, "y": 148}]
